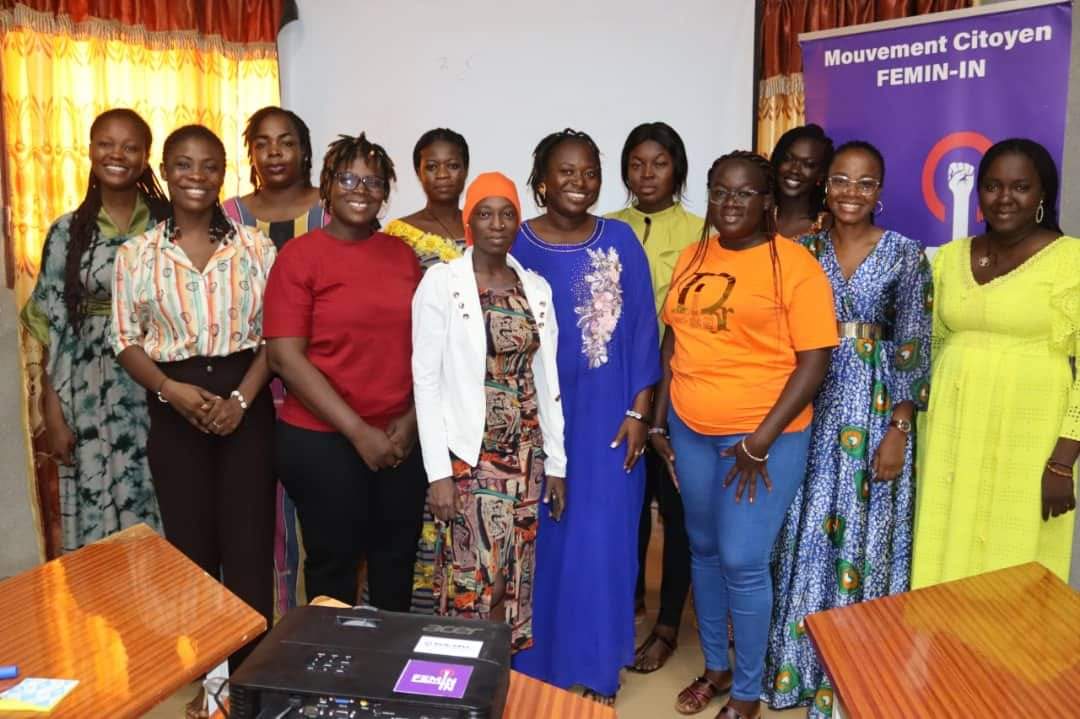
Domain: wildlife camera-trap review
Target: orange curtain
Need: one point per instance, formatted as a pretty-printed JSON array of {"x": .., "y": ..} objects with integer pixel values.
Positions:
[
  {"x": 58, "y": 73},
  {"x": 780, "y": 89}
]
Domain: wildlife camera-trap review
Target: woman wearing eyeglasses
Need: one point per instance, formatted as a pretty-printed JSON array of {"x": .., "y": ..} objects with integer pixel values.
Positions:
[
  {"x": 338, "y": 324},
  {"x": 750, "y": 328},
  {"x": 847, "y": 537}
]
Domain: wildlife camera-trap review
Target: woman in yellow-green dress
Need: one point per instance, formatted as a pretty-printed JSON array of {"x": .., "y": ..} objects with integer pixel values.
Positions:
[{"x": 1002, "y": 435}]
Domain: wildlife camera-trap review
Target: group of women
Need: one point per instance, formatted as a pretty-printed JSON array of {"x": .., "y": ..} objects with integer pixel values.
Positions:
[{"x": 476, "y": 411}]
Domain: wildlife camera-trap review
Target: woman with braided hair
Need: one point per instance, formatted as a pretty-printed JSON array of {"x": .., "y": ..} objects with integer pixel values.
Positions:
[
  {"x": 750, "y": 325},
  {"x": 95, "y": 416},
  {"x": 608, "y": 360},
  {"x": 339, "y": 332}
]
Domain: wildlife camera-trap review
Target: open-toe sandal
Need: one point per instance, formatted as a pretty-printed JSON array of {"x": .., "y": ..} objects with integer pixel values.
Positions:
[
  {"x": 668, "y": 647},
  {"x": 730, "y": 712},
  {"x": 605, "y": 699},
  {"x": 695, "y": 698}
]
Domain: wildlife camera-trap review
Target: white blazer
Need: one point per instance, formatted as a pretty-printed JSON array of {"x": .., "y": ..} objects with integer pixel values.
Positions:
[{"x": 449, "y": 366}]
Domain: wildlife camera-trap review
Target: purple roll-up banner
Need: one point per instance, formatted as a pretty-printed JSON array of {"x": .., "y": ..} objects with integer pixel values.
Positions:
[{"x": 933, "y": 93}]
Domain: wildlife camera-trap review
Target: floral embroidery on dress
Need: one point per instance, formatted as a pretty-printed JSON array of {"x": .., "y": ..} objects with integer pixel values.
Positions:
[{"x": 598, "y": 318}]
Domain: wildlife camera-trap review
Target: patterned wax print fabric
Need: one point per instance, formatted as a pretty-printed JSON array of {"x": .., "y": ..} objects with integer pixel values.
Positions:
[
  {"x": 495, "y": 533},
  {"x": 847, "y": 538},
  {"x": 288, "y": 548}
]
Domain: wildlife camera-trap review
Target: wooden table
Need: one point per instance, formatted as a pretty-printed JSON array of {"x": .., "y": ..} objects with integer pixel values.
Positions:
[
  {"x": 130, "y": 617},
  {"x": 1005, "y": 643}
]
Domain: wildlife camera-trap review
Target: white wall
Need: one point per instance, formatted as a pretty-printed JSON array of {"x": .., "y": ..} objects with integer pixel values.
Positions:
[{"x": 504, "y": 73}]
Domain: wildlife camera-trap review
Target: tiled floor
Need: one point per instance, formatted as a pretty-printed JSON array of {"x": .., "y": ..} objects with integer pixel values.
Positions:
[{"x": 649, "y": 696}]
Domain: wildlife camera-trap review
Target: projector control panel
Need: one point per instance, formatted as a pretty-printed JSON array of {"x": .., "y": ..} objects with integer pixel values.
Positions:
[{"x": 312, "y": 707}]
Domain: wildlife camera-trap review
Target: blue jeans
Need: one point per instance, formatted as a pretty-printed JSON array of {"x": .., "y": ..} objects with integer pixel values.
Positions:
[{"x": 730, "y": 544}]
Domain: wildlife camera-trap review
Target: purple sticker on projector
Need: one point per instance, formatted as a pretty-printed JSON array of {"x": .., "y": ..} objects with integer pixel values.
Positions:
[{"x": 434, "y": 679}]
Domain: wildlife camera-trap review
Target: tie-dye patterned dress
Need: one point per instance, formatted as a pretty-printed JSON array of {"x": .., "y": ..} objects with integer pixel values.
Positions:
[{"x": 848, "y": 538}]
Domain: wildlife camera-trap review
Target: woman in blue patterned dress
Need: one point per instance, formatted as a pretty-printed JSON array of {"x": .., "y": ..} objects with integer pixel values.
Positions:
[
  {"x": 608, "y": 359},
  {"x": 847, "y": 537}
]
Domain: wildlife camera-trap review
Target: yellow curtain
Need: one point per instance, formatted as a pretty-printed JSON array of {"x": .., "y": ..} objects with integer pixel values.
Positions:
[{"x": 57, "y": 76}]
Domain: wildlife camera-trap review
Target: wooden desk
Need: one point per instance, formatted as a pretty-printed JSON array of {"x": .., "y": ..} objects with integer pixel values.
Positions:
[
  {"x": 1000, "y": 644},
  {"x": 130, "y": 617}
]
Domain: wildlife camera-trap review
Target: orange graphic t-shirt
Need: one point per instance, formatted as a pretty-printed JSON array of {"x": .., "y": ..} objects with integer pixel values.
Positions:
[{"x": 739, "y": 317}]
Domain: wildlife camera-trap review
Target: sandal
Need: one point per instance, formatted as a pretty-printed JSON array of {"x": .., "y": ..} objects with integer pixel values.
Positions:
[
  {"x": 696, "y": 697},
  {"x": 607, "y": 700},
  {"x": 196, "y": 708},
  {"x": 730, "y": 712},
  {"x": 668, "y": 648}
]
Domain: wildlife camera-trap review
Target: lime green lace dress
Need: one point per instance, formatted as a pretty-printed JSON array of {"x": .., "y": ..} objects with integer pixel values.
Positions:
[{"x": 1002, "y": 390}]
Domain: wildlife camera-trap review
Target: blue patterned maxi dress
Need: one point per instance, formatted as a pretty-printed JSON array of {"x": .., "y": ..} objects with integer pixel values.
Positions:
[
  {"x": 847, "y": 538},
  {"x": 586, "y": 564}
]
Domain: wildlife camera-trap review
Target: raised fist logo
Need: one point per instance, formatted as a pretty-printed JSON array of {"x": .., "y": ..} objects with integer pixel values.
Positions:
[{"x": 961, "y": 182}]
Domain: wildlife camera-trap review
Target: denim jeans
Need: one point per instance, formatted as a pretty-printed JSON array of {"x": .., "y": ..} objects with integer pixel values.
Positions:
[{"x": 730, "y": 544}]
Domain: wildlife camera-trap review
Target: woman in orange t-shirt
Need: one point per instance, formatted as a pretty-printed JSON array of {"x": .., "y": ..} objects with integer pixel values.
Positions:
[{"x": 750, "y": 327}]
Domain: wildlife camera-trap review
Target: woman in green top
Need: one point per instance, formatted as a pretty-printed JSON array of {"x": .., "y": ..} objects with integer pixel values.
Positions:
[
  {"x": 95, "y": 415},
  {"x": 654, "y": 168}
]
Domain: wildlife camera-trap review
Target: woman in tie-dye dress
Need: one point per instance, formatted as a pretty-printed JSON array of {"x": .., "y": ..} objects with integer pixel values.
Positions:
[{"x": 847, "y": 537}]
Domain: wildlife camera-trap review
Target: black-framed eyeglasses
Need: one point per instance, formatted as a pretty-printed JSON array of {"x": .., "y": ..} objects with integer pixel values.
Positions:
[
  {"x": 865, "y": 186},
  {"x": 718, "y": 195},
  {"x": 350, "y": 181}
]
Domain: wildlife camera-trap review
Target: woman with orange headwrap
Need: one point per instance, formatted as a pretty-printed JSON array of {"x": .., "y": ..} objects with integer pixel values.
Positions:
[{"x": 490, "y": 422}]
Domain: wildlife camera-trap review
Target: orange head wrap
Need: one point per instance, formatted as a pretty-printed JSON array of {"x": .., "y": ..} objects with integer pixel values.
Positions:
[{"x": 488, "y": 184}]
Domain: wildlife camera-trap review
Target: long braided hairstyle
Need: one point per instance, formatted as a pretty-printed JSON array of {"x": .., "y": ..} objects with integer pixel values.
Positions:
[
  {"x": 542, "y": 154},
  {"x": 767, "y": 224},
  {"x": 303, "y": 137},
  {"x": 221, "y": 229},
  {"x": 83, "y": 230}
]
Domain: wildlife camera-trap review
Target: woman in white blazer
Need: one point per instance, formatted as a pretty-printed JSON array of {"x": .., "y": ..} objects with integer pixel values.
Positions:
[{"x": 490, "y": 420}]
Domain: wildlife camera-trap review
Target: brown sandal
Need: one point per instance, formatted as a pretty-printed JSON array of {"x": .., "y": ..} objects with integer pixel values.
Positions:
[
  {"x": 730, "y": 712},
  {"x": 669, "y": 647},
  {"x": 696, "y": 697}
]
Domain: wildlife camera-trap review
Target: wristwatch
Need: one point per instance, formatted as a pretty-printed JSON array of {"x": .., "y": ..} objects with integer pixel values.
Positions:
[{"x": 901, "y": 424}]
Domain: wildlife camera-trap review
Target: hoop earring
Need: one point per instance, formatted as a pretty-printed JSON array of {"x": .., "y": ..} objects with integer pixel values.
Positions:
[
  {"x": 1040, "y": 213},
  {"x": 879, "y": 207}
]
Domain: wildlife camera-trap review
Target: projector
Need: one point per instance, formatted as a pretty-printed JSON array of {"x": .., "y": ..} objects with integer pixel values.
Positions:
[{"x": 358, "y": 663}]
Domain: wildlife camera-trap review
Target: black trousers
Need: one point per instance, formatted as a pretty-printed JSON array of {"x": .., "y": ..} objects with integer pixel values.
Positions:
[
  {"x": 216, "y": 494},
  {"x": 347, "y": 512},
  {"x": 675, "y": 582}
]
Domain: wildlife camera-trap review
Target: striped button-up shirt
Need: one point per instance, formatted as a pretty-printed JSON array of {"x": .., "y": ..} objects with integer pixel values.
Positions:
[{"x": 173, "y": 311}]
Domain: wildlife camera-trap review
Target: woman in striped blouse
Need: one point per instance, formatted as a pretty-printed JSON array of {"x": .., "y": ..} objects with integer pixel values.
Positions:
[{"x": 187, "y": 323}]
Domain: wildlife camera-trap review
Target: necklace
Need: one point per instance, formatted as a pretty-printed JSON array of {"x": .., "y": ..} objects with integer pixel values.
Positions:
[
  {"x": 449, "y": 234},
  {"x": 990, "y": 258}
]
